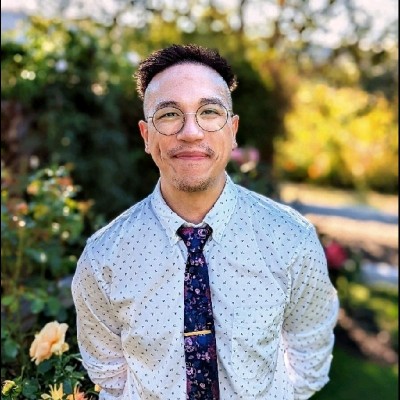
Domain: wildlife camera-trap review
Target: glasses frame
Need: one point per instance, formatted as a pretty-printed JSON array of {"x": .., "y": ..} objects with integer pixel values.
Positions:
[{"x": 229, "y": 113}]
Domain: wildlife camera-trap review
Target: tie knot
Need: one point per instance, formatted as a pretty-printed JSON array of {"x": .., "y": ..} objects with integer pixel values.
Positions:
[{"x": 194, "y": 238}]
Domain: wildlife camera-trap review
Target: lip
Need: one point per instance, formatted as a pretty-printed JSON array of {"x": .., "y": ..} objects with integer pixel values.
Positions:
[{"x": 191, "y": 155}]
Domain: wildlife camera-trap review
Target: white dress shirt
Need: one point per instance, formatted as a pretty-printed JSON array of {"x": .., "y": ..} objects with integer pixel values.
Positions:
[{"x": 273, "y": 303}]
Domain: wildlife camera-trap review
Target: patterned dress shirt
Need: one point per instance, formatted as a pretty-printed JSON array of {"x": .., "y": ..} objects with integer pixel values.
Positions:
[{"x": 273, "y": 303}]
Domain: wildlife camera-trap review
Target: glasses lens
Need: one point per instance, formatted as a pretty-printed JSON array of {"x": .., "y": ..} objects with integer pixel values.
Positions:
[
  {"x": 168, "y": 120},
  {"x": 212, "y": 117}
]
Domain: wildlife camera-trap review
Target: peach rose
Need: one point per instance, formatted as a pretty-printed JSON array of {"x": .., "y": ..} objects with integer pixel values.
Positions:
[{"x": 50, "y": 340}]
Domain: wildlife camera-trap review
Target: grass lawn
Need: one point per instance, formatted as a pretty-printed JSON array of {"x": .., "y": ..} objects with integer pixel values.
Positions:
[{"x": 352, "y": 378}]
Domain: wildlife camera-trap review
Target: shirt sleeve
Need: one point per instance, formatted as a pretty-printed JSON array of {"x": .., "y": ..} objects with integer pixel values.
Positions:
[
  {"x": 309, "y": 319},
  {"x": 97, "y": 329}
]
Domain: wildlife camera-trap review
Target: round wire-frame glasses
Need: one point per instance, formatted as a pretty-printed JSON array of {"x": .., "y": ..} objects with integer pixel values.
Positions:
[{"x": 210, "y": 117}]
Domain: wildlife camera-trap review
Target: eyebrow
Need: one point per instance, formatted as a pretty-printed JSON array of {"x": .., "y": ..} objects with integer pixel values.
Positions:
[{"x": 203, "y": 100}]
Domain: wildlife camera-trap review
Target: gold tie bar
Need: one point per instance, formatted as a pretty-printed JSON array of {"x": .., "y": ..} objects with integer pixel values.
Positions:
[{"x": 205, "y": 332}]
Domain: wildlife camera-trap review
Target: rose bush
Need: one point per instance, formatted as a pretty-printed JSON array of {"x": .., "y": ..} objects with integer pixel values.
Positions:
[
  {"x": 58, "y": 376},
  {"x": 42, "y": 236}
]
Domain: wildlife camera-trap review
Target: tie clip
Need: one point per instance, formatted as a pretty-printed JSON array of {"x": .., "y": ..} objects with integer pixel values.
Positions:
[{"x": 205, "y": 332}]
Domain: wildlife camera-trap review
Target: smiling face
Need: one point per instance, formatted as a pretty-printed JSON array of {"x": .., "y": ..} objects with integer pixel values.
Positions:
[{"x": 193, "y": 160}]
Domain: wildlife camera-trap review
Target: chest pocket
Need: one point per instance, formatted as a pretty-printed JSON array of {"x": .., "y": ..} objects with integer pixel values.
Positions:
[{"x": 255, "y": 341}]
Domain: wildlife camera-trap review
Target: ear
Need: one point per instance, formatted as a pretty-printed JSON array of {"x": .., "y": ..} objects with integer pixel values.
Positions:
[
  {"x": 143, "y": 127},
  {"x": 234, "y": 129}
]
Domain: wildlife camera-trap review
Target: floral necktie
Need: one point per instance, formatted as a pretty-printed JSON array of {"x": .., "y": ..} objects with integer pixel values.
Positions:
[{"x": 199, "y": 332}]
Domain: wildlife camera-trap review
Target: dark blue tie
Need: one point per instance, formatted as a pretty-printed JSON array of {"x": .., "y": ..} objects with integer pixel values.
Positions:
[{"x": 199, "y": 332}]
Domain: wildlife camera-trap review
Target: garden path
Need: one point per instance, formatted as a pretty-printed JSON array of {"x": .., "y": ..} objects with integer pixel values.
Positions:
[{"x": 372, "y": 229}]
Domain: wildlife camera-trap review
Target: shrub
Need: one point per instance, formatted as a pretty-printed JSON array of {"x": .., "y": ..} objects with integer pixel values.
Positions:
[
  {"x": 340, "y": 137},
  {"x": 57, "y": 372},
  {"x": 42, "y": 227},
  {"x": 68, "y": 96}
]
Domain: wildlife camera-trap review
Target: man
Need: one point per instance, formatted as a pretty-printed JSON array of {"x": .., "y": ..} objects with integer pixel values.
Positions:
[{"x": 203, "y": 290}]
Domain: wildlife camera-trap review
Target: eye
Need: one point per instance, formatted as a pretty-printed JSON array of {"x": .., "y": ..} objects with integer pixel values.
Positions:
[
  {"x": 211, "y": 110},
  {"x": 166, "y": 114},
  {"x": 170, "y": 114}
]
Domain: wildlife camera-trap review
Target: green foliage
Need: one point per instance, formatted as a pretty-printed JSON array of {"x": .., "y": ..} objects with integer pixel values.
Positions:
[
  {"x": 41, "y": 229},
  {"x": 369, "y": 316},
  {"x": 59, "y": 371},
  {"x": 261, "y": 100},
  {"x": 354, "y": 378},
  {"x": 340, "y": 137},
  {"x": 70, "y": 98},
  {"x": 375, "y": 307}
]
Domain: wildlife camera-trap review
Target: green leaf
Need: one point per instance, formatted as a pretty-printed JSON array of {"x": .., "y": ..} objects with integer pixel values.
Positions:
[
  {"x": 53, "y": 306},
  {"x": 45, "y": 366},
  {"x": 7, "y": 300},
  {"x": 11, "y": 348},
  {"x": 37, "y": 305},
  {"x": 30, "y": 389},
  {"x": 37, "y": 255},
  {"x": 67, "y": 385},
  {"x": 4, "y": 332}
]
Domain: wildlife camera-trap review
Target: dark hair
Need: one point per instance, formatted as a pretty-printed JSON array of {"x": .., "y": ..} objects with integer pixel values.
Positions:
[{"x": 159, "y": 60}]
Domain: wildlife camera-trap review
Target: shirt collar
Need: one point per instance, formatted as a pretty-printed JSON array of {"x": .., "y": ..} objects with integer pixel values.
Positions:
[{"x": 218, "y": 217}]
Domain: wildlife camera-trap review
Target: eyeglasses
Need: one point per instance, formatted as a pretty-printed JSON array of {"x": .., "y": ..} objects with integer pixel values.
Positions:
[{"x": 209, "y": 117}]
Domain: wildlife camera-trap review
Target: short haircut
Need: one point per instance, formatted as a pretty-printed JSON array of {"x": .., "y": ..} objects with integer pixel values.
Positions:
[{"x": 175, "y": 54}]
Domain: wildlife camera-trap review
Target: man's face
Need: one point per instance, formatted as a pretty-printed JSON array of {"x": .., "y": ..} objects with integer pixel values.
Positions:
[{"x": 193, "y": 160}]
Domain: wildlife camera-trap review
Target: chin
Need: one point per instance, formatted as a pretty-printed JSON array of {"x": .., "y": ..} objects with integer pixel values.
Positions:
[{"x": 194, "y": 185}]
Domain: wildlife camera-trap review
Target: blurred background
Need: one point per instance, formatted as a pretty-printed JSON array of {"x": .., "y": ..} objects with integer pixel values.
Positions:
[{"x": 318, "y": 105}]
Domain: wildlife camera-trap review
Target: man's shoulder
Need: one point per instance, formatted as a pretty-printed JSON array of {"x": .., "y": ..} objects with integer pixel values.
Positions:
[
  {"x": 122, "y": 223},
  {"x": 273, "y": 210}
]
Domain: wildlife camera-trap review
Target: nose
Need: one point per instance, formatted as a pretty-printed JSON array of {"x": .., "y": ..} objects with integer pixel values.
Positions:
[{"x": 190, "y": 131}]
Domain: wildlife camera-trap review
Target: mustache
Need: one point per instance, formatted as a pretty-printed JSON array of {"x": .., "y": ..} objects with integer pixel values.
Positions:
[{"x": 202, "y": 147}]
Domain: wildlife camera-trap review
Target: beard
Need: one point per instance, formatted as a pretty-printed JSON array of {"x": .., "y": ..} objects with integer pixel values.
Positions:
[{"x": 189, "y": 186}]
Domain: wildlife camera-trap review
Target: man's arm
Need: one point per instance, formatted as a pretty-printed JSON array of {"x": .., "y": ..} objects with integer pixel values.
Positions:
[
  {"x": 309, "y": 319},
  {"x": 97, "y": 327}
]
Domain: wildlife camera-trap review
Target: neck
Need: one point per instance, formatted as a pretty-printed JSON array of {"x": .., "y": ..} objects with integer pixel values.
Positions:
[{"x": 192, "y": 206}]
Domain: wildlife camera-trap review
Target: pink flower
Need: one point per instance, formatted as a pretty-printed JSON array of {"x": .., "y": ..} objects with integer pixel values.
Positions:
[
  {"x": 335, "y": 254},
  {"x": 237, "y": 155},
  {"x": 244, "y": 155},
  {"x": 247, "y": 158}
]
